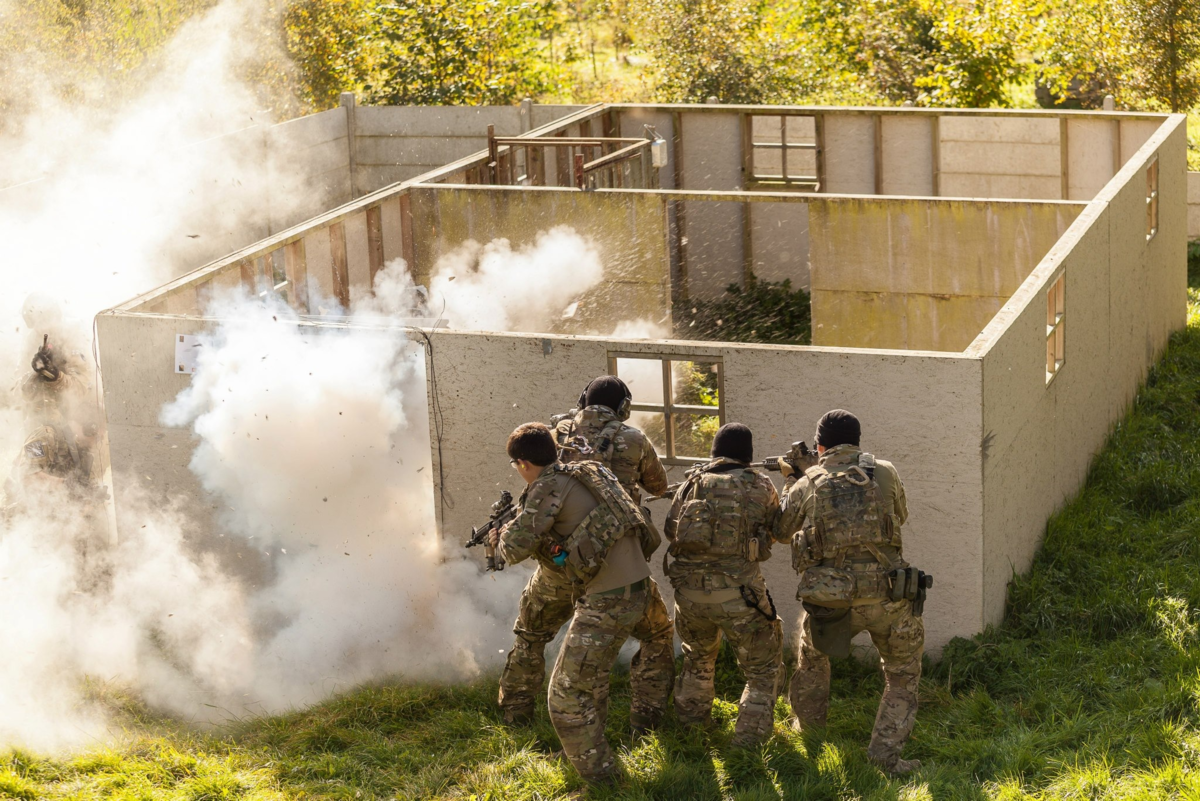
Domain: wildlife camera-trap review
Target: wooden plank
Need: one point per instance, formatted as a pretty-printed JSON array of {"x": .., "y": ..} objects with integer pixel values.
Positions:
[
  {"x": 406, "y": 234},
  {"x": 393, "y": 239},
  {"x": 341, "y": 271},
  {"x": 375, "y": 240},
  {"x": 1063, "y": 159},
  {"x": 249, "y": 277},
  {"x": 297, "y": 275},
  {"x": 879, "y": 154}
]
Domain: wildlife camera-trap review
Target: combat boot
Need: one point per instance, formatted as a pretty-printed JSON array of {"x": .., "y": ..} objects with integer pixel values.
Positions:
[
  {"x": 517, "y": 715},
  {"x": 641, "y": 724},
  {"x": 898, "y": 767}
]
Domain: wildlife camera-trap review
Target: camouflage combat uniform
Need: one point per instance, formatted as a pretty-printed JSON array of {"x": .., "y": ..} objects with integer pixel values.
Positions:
[
  {"x": 549, "y": 598},
  {"x": 620, "y": 447},
  {"x": 720, "y": 526},
  {"x": 615, "y": 598},
  {"x": 865, "y": 508}
]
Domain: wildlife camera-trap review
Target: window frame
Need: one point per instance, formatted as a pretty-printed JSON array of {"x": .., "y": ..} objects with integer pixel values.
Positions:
[
  {"x": 669, "y": 409},
  {"x": 1056, "y": 319},
  {"x": 803, "y": 183},
  {"x": 1152, "y": 199}
]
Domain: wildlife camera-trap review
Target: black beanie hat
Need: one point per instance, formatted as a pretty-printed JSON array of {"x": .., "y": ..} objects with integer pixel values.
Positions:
[
  {"x": 734, "y": 441},
  {"x": 607, "y": 390},
  {"x": 838, "y": 427}
]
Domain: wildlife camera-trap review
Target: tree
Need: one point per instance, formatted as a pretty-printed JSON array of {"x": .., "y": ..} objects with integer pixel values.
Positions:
[
  {"x": 1166, "y": 37},
  {"x": 709, "y": 48},
  {"x": 932, "y": 52},
  {"x": 449, "y": 52},
  {"x": 325, "y": 39}
]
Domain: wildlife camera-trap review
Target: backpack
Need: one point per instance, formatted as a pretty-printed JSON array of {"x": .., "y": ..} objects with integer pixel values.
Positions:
[{"x": 708, "y": 516}]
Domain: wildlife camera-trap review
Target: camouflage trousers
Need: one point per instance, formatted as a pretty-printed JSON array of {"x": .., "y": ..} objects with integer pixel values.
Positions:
[
  {"x": 547, "y": 602},
  {"x": 759, "y": 646},
  {"x": 579, "y": 684},
  {"x": 899, "y": 636}
]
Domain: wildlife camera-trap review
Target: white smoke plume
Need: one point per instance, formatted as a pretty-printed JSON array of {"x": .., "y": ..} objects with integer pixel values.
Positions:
[
  {"x": 316, "y": 444},
  {"x": 312, "y": 443},
  {"x": 493, "y": 287}
]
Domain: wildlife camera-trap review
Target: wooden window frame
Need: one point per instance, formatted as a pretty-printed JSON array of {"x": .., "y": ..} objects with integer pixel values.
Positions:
[
  {"x": 668, "y": 408},
  {"x": 1056, "y": 323},
  {"x": 804, "y": 183},
  {"x": 1152, "y": 199}
]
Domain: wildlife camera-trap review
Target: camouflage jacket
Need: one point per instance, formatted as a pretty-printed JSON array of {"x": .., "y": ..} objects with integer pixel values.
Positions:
[
  {"x": 799, "y": 504},
  {"x": 621, "y": 448},
  {"x": 734, "y": 508}
]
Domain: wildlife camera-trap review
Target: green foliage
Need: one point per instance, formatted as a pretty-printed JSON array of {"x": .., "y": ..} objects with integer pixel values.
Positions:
[
  {"x": 1166, "y": 40},
  {"x": 326, "y": 41},
  {"x": 932, "y": 52},
  {"x": 711, "y": 48},
  {"x": 763, "y": 311},
  {"x": 446, "y": 52}
]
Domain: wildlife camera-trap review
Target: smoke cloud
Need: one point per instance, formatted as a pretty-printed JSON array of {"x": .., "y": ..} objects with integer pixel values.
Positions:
[{"x": 311, "y": 441}]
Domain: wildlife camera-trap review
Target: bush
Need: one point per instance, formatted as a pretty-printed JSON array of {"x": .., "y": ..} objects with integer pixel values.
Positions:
[{"x": 763, "y": 311}]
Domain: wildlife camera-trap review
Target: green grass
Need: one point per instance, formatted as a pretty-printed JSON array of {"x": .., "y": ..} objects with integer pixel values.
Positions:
[{"x": 1090, "y": 689}]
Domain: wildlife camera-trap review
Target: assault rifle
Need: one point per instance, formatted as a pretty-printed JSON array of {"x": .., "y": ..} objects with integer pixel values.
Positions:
[
  {"x": 799, "y": 458},
  {"x": 503, "y": 511}
]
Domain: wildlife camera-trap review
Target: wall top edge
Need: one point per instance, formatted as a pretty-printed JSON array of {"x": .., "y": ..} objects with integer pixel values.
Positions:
[
  {"x": 680, "y": 346},
  {"x": 911, "y": 110},
  {"x": 762, "y": 197},
  {"x": 1047, "y": 268}
]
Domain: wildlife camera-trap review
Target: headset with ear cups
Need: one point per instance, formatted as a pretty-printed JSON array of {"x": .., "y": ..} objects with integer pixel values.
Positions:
[{"x": 624, "y": 408}]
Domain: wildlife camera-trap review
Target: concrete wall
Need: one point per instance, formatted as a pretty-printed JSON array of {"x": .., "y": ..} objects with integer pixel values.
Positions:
[
  {"x": 1193, "y": 205},
  {"x": 711, "y": 234},
  {"x": 1124, "y": 296},
  {"x": 921, "y": 274},
  {"x": 488, "y": 384},
  {"x": 628, "y": 230},
  {"x": 398, "y": 143}
]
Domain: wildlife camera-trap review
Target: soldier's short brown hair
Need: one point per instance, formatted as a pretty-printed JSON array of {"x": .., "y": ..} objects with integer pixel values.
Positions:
[{"x": 533, "y": 443}]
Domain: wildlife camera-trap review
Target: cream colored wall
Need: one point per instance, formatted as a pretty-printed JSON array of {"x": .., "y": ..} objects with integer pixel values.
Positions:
[
  {"x": 921, "y": 274},
  {"x": 919, "y": 410},
  {"x": 149, "y": 460},
  {"x": 1193, "y": 201},
  {"x": 628, "y": 229},
  {"x": 1124, "y": 296},
  {"x": 711, "y": 158}
]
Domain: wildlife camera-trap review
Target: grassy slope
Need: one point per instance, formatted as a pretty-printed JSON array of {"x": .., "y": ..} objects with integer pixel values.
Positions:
[{"x": 1089, "y": 690}]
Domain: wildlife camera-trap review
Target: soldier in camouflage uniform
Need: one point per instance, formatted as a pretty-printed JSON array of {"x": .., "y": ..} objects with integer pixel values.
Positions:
[
  {"x": 56, "y": 455},
  {"x": 579, "y": 518},
  {"x": 597, "y": 430},
  {"x": 720, "y": 527},
  {"x": 843, "y": 517},
  {"x": 549, "y": 598}
]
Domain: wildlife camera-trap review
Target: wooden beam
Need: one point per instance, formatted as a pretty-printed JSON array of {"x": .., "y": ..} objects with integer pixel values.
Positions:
[
  {"x": 341, "y": 270},
  {"x": 375, "y": 240},
  {"x": 296, "y": 269}
]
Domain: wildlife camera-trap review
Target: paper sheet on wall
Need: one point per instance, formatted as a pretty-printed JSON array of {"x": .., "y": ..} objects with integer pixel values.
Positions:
[{"x": 187, "y": 352}]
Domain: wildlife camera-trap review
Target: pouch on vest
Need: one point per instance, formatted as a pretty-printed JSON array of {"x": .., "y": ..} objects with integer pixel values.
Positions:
[
  {"x": 804, "y": 551},
  {"x": 648, "y": 536},
  {"x": 588, "y": 544},
  {"x": 830, "y": 628},
  {"x": 826, "y": 586},
  {"x": 693, "y": 530}
]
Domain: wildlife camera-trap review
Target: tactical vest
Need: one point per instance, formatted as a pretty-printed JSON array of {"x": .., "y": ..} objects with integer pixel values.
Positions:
[
  {"x": 615, "y": 516},
  {"x": 47, "y": 450},
  {"x": 848, "y": 543},
  {"x": 711, "y": 520}
]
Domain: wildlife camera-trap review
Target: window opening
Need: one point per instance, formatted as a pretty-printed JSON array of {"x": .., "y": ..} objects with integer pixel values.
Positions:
[
  {"x": 783, "y": 151},
  {"x": 1055, "y": 325},
  {"x": 1152, "y": 199},
  {"x": 678, "y": 401}
]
